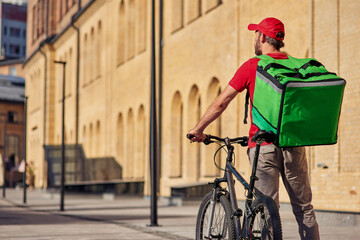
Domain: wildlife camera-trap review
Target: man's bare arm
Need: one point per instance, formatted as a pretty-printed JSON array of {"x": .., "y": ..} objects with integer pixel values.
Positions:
[{"x": 213, "y": 112}]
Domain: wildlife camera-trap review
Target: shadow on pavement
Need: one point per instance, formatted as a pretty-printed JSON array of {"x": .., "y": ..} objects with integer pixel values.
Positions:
[
  {"x": 121, "y": 218},
  {"x": 9, "y": 217}
]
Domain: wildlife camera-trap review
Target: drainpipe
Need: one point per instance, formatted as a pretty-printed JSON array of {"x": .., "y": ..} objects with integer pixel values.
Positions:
[
  {"x": 47, "y": 18},
  {"x": 77, "y": 80}
]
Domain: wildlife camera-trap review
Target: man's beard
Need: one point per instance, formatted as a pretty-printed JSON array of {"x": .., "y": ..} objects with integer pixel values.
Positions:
[{"x": 257, "y": 47}]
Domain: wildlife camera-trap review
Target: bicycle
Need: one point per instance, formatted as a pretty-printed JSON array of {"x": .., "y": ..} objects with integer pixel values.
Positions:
[{"x": 219, "y": 216}]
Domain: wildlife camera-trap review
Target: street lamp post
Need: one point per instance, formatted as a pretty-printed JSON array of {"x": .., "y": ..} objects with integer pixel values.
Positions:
[
  {"x": 25, "y": 126},
  {"x": 62, "y": 181},
  {"x": 4, "y": 152},
  {"x": 153, "y": 130}
]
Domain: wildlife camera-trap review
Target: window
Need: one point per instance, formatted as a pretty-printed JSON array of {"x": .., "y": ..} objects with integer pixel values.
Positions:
[
  {"x": 177, "y": 15},
  {"x": 61, "y": 10},
  {"x": 43, "y": 18},
  {"x": 24, "y": 33},
  {"x": 98, "y": 51},
  {"x": 194, "y": 10},
  {"x": 85, "y": 61},
  {"x": 13, "y": 71},
  {"x": 14, "y": 49},
  {"x": 3, "y": 50},
  {"x": 13, "y": 149},
  {"x": 69, "y": 74},
  {"x": 13, "y": 117},
  {"x": 5, "y": 30},
  {"x": 121, "y": 34},
  {"x": 34, "y": 23},
  {"x": 38, "y": 19},
  {"x": 141, "y": 25},
  {"x": 15, "y": 32},
  {"x": 131, "y": 30},
  {"x": 92, "y": 61}
]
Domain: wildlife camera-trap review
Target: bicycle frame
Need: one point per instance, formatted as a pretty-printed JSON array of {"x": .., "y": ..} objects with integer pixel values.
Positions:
[{"x": 228, "y": 178}]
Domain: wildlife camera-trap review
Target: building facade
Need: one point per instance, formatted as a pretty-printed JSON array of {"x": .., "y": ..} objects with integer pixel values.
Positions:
[
  {"x": 12, "y": 67},
  {"x": 13, "y": 30},
  {"x": 12, "y": 123},
  {"x": 107, "y": 47}
]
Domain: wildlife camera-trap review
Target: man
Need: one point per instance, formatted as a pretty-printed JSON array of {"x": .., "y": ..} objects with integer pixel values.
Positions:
[{"x": 290, "y": 163}]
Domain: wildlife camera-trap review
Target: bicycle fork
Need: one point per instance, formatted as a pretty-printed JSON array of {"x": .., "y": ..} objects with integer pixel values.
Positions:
[
  {"x": 214, "y": 198},
  {"x": 212, "y": 210}
]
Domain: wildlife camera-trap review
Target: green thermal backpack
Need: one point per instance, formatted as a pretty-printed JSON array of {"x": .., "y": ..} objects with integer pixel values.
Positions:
[{"x": 298, "y": 100}]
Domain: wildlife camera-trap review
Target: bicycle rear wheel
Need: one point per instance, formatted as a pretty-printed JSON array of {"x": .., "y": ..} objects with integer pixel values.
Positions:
[
  {"x": 265, "y": 222},
  {"x": 223, "y": 226}
]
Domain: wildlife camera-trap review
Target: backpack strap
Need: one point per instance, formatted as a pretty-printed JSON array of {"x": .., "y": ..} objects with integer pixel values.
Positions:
[{"x": 247, "y": 97}]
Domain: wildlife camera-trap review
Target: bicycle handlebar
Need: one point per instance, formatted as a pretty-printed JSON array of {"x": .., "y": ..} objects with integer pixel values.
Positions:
[{"x": 243, "y": 141}]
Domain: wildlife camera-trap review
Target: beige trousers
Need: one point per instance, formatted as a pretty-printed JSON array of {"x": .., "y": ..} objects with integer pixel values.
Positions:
[{"x": 291, "y": 164}]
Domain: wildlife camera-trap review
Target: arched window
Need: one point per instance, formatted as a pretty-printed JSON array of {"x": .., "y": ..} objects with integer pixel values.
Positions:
[
  {"x": 69, "y": 70},
  {"x": 121, "y": 34},
  {"x": 98, "y": 51},
  {"x": 193, "y": 159},
  {"x": 176, "y": 135},
  {"x": 142, "y": 23},
  {"x": 177, "y": 14},
  {"x": 71, "y": 137},
  {"x": 131, "y": 30},
  {"x": 65, "y": 136},
  {"x": 129, "y": 166},
  {"x": 60, "y": 79},
  {"x": 193, "y": 9},
  {"x": 84, "y": 144},
  {"x": 85, "y": 61},
  {"x": 91, "y": 143},
  {"x": 140, "y": 144},
  {"x": 92, "y": 55},
  {"x": 98, "y": 142},
  {"x": 120, "y": 139},
  {"x": 66, "y": 74}
]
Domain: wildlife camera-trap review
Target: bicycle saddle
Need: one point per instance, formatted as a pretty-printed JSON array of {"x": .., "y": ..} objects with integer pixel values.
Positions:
[{"x": 263, "y": 136}]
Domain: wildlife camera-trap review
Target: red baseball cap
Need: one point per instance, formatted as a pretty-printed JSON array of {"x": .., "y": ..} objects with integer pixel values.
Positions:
[{"x": 270, "y": 27}]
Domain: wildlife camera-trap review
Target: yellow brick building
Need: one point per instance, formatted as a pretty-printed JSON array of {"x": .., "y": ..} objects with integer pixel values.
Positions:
[{"x": 106, "y": 44}]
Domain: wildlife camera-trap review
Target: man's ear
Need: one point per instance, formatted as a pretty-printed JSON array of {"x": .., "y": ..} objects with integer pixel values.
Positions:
[{"x": 263, "y": 38}]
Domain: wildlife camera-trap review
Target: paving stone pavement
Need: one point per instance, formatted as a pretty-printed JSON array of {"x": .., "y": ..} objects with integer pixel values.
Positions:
[{"x": 92, "y": 217}]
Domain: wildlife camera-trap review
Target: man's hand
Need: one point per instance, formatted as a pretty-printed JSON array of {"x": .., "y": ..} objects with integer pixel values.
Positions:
[
  {"x": 212, "y": 113},
  {"x": 199, "y": 136}
]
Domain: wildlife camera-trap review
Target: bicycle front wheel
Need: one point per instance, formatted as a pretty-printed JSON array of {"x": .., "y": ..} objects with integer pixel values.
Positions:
[
  {"x": 265, "y": 222},
  {"x": 222, "y": 226}
]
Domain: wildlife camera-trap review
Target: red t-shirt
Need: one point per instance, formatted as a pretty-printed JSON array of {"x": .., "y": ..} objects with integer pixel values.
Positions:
[{"x": 245, "y": 78}]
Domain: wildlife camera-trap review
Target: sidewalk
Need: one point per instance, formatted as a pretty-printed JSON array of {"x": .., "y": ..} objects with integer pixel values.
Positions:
[{"x": 92, "y": 217}]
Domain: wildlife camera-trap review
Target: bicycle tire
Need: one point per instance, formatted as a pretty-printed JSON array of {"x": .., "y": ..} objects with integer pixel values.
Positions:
[
  {"x": 265, "y": 221},
  {"x": 222, "y": 214}
]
